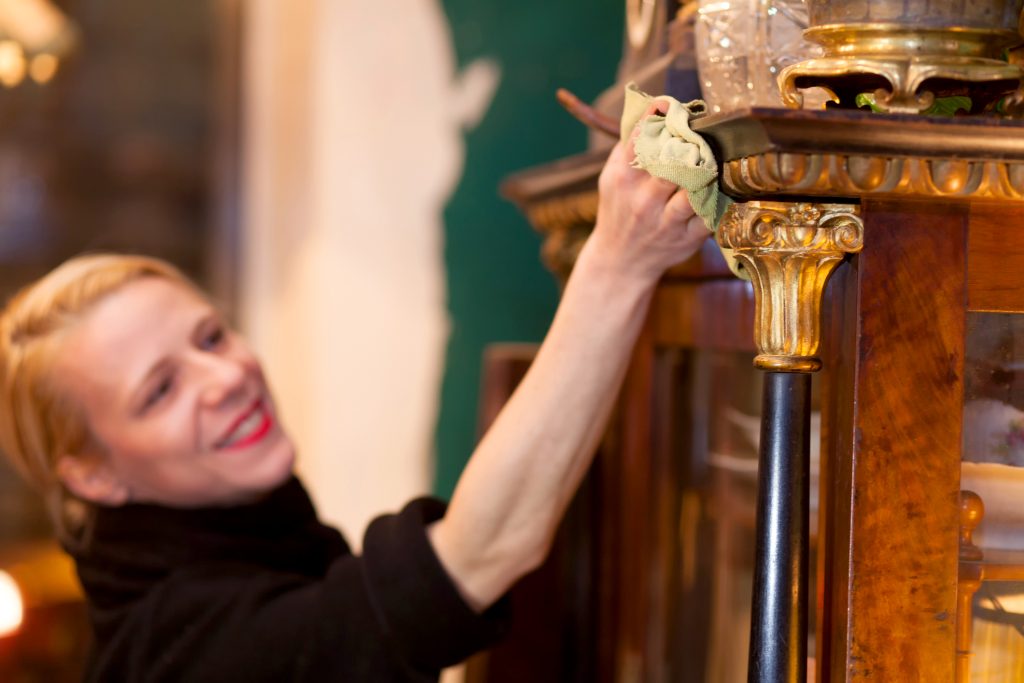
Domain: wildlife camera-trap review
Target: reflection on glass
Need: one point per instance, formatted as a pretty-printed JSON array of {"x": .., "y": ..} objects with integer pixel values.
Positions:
[
  {"x": 719, "y": 437},
  {"x": 993, "y": 467},
  {"x": 742, "y": 45}
]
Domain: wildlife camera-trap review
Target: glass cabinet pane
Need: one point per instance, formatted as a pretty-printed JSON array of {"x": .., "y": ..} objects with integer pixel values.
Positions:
[
  {"x": 718, "y": 435},
  {"x": 993, "y": 468}
]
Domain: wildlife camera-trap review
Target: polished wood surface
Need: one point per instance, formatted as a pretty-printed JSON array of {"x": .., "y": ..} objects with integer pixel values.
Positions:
[
  {"x": 1003, "y": 565},
  {"x": 894, "y": 431},
  {"x": 647, "y": 518},
  {"x": 943, "y": 203},
  {"x": 972, "y": 509},
  {"x": 749, "y": 132},
  {"x": 837, "y": 352},
  {"x": 995, "y": 261},
  {"x": 637, "y": 553},
  {"x": 552, "y": 638},
  {"x": 714, "y": 314}
]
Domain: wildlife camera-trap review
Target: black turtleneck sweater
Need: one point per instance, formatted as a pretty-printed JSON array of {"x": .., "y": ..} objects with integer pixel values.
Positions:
[{"x": 265, "y": 592}]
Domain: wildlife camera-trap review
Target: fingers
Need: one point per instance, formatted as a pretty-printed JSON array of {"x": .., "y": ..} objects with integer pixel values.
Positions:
[
  {"x": 618, "y": 171},
  {"x": 619, "y": 175},
  {"x": 655, "y": 108},
  {"x": 618, "y": 151},
  {"x": 660, "y": 190},
  {"x": 621, "y": 179},
  {"x": 680, "y": 216},
  {"x": 697, "y": 227},
  {"x": 633, "y": 135},
  {"x": 613, "y": 168},
  {"x": 696, "y": 224},
  {"x": 678, "y": 208}
]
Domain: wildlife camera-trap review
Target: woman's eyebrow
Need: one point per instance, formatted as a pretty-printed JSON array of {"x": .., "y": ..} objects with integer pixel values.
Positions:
[{"x": 203, "y": 322}]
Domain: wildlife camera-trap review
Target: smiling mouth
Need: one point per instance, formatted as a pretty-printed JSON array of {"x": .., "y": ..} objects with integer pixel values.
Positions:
[{"x": 249, "y": 429}]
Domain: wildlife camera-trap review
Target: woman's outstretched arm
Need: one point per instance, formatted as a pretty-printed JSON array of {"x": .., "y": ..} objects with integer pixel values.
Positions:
[{"x": 519, "y": 481}]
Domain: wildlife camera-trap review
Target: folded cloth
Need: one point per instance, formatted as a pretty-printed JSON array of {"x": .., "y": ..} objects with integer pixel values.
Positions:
[{"x": 666, "y": 147}]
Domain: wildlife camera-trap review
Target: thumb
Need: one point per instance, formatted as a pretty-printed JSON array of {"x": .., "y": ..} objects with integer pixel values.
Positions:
[{"x": 678, "y": 209}]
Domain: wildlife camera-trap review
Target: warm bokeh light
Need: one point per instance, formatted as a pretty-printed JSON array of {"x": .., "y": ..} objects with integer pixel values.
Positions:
[
  {"x": 35, "y": 35},
  {"x": 12, "y": 609},
  {"x": 12, "y": 63},
  {"x": 43, "y": 67}
]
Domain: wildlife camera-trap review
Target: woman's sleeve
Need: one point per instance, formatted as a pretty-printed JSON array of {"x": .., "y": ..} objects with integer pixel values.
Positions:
[
  {"x": 415, "y": 599},
  {"x": 392, "y": 614}
]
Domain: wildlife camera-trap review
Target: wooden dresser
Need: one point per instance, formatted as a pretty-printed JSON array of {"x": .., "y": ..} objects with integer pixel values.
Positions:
[{"x": 922, "y": 346}]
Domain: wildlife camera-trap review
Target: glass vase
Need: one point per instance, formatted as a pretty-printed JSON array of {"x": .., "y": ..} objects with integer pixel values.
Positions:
[{"x": 741, "y": 47}]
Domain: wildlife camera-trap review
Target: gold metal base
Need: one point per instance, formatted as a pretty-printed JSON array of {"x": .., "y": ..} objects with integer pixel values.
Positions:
[
  {"x": 786, "y": 363},
  {"x": 915, "y": 63},
  {"x": 882, "y": 39}
]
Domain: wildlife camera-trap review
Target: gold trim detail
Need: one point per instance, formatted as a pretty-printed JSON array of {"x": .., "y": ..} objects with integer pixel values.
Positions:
[
  {"x": 840, "y": 175},
  {"x": 790, "y": 249},
  {"x": 906, "y": 57},
  {"x": 905, "y": 76},
  {"x": 565, "y": 222}
]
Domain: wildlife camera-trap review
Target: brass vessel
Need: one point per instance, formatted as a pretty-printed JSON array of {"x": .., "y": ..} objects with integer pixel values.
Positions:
[
  {"x": 905, "y": 53},
  {"x": 985, "y": 15}
]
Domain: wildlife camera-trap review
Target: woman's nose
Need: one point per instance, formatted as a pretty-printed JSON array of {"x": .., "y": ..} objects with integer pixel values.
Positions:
[{"x": 223, "y": 379}]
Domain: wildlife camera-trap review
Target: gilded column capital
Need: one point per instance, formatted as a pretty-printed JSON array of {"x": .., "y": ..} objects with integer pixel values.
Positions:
[{"x": 789, "y": 250}]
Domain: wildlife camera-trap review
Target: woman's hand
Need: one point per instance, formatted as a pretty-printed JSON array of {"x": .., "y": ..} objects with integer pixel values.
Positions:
[{"x": 644, "y": 224}]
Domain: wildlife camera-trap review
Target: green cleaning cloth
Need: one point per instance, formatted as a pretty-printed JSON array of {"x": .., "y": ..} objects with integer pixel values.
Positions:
[{"x": 667, "y": 148}]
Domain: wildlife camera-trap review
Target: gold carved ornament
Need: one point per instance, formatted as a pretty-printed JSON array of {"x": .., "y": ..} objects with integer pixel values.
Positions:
[
  {"x": 789, "y": 250},
  {"x": 566, "y": 223},
  {"x": 846, "y": 175}
]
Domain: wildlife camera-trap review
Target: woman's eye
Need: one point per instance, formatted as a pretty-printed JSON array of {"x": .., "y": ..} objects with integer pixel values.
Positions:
[
  {"x": 213, "y": 338},
  {"x": 159, "y": 392}
]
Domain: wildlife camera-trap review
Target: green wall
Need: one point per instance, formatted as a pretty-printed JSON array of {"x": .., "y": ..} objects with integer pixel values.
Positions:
[{"x": 497, "y": 288}]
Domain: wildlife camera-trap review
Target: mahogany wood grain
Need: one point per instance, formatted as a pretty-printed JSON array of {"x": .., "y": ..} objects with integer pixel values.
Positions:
[
  {"x": 969, "y": 578},
  {"x": 647, "y": 582},
  {"x": 707, "y": 314},
  {"x": 707, "y": 263},
  {"x": 552, "y": 638},
  {"x": 1001, "y": 565},
  {"x": 895, "y": 437},
  {"x": 837, "y": 352},
  {"x": 995, "y": 258},
  {"x": 635, "y": 532}
]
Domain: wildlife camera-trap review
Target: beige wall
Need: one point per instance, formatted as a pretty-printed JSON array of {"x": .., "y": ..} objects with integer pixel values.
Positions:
[{"x": 353, "y": 118}]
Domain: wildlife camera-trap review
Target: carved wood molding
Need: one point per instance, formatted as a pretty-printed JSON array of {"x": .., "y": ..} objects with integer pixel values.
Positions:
[
  {"x": 565, "y": 222},
  {"x": 855, "y": 176}
]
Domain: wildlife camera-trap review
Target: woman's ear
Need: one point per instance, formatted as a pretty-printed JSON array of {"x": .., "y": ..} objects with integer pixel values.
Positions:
[{"x": 91, "y": 478}]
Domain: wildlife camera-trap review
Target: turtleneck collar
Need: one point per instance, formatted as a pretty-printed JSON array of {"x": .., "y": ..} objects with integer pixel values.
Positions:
[{"x": 134, "y": 546}]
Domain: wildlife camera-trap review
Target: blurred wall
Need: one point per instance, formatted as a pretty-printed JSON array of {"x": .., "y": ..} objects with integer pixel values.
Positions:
[
  {"x": 497, "y": 288},
  {"x": 353, "y": 146},
  {"x": 353, "y": 273}
]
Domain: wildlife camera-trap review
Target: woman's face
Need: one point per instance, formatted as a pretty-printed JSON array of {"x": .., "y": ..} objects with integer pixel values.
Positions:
[{"x": 175, "y": 400}]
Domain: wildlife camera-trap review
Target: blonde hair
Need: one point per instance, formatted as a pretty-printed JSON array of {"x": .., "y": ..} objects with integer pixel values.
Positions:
[{"x": 38, "y": 423}]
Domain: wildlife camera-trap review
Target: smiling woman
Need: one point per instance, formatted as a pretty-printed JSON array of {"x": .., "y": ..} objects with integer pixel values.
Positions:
[
  {"x": 148, "y": 424},
  {"x": 178, "y": 407},
  {"x": 39, "y": 424}
]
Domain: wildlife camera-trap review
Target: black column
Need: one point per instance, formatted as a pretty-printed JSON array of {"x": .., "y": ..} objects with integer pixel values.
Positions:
[{"x": 778, "y": 630}]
